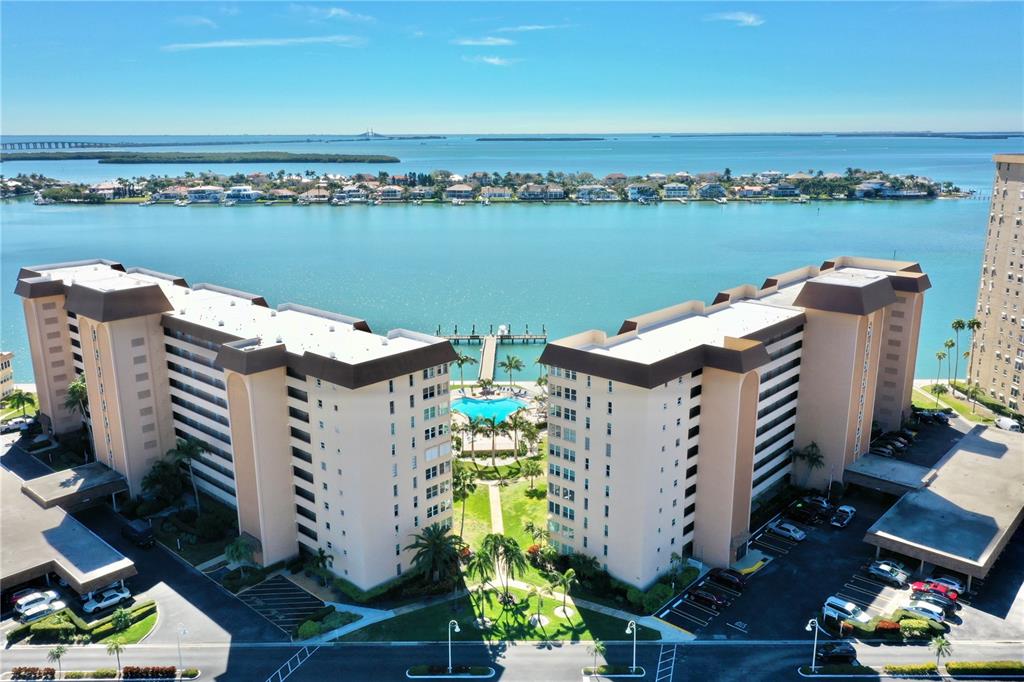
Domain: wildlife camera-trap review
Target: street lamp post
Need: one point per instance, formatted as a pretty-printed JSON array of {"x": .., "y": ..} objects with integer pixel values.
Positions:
[
  {"x": 182, "y": 632},
  {"x": 812, "y": 624},
  {"x": 453, "y": 625},
  {"x": 631, "y": 629}
]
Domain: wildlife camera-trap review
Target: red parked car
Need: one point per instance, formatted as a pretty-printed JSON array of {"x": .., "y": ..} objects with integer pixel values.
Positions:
[{"x": 935, "y": 588}]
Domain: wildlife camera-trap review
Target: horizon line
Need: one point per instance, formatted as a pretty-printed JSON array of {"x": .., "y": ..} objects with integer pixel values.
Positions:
[{"x": 521, "y": 134}]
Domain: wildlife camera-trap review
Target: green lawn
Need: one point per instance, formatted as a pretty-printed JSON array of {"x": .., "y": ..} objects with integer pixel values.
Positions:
[
  {"x": 10, "y": 413},
  {"x": 478, "y": 516},
  {"x": 960, "y": 406},
  {"x": 517, "y": 507},
  {"x": 134, "y": 633},
  {"x": 428, "y": 625}
]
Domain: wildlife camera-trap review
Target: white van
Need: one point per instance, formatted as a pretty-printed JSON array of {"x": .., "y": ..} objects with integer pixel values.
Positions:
[
  {"x": 840, "y": 609},
  {"x": 1008, "y": 424}
]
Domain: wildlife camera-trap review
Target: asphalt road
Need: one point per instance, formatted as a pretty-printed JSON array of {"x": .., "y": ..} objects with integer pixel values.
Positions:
[{"x": 720, "y": 661}]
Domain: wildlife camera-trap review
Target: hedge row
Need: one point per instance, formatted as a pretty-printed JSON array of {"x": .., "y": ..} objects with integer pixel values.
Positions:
[
  {"x": 101, "y": 674},
  {"x": 969, "y": 668},
  {"x": 148, "y": 672},
  {"x": 33, "y": 673},
  {"x": 912, "y": 669},
  {"x": 50, "y": 628},
  {"x": 325, "y": 622}
]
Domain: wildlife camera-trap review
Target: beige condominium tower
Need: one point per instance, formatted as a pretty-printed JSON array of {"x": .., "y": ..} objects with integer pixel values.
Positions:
[
  {"x": 999, "y": 343},
  {"x": 321, "y": 433},
  {"x": 664, "y": 437}
]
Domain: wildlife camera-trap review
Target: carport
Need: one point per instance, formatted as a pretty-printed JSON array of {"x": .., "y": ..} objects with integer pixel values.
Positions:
[
  {"x": 77, "y": 488},
  {"x": 962, "y": 519},
  {"x": 39, "y": 540}
]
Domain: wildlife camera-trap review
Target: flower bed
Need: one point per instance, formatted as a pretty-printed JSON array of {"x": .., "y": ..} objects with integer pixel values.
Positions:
[
  {"x": 66, "y": 624},
  {"x": 442, "y": 671}
]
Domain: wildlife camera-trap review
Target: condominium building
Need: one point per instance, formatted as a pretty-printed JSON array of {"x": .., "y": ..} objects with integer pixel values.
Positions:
[
  {"x": 999, "y": 344},
  {"x": 665, "y": 437},
  {"x": 6, "y": 374},
  {"x": 321, "y": 433}
]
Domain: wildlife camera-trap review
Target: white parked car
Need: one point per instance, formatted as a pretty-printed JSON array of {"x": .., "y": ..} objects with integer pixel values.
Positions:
[
  {"x": 786, "y": 530},
  {"x": 840, "y": 609},
  {"x": 34, "y": 599},
  {"x": 926, "y": 610},
  {"x": 41, "y": 609},
  {"x": 107, "y": 599},
  {"x": 1008, "y": 424},
  {"x": 950, "y": 582}
]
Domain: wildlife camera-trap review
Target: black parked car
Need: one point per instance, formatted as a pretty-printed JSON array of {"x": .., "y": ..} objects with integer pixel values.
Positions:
[
  {"x": 804, "y": 513},
  {"x": 139, "y": 533},
  {"x": 947, "y": 605},
  {"x": 727, "y": 577},
  {"x": 707, "y": 598},
  {"x": 836, "y": 652}
]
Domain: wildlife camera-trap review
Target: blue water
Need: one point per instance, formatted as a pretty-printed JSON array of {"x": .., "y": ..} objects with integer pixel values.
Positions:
[
  {"x": 499, "y": 408},
  {"x": 566, "y": 267}
]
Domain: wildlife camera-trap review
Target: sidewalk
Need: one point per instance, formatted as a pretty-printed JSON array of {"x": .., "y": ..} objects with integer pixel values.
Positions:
[{"x": 497, "y": 522}]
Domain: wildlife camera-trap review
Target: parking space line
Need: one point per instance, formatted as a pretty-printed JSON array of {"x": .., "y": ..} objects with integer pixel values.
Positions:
[
  {"x": 689, "y": 617},
  {"x": 869, "y": 581},
  {"x": 719, "y": 587},
  {"x": 862, "y": 590},
  {"x": 700, "y": 607},
  {"x": 772, "y": 548}
]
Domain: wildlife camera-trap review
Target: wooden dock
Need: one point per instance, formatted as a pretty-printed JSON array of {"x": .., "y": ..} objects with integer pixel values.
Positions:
[
  {"x": 488, "y": 354},
  {"x": 503, "y": 335}
]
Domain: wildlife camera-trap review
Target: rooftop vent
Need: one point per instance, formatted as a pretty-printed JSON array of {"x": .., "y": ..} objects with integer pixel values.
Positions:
[
  {"x": 330, "y": 328},
  {"x": 273, "y": 313},
  {"x": 232, "y": 304},
  {"x": 220, "y": 323},
  {"x": 383, "y": 341},
  {"x": 181, "y": 312},
  {"x": 333, "y": 356},
  {"x": 280, "y": 340}
]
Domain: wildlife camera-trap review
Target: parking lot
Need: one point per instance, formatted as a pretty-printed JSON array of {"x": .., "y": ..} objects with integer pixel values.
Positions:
[{"x": 282, "y": 602}]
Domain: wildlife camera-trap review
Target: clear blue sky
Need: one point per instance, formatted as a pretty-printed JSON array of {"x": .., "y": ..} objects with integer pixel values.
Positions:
[{"x": 475, "y": 67}]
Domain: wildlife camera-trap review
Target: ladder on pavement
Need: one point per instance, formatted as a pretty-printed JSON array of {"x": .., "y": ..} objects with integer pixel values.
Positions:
[
  {"x": 292, "y": 664},
  {"x": 666, "y": 664}
]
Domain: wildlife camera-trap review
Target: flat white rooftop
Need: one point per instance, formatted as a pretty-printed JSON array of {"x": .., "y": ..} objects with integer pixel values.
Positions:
[{"x": 300, "y": 331}]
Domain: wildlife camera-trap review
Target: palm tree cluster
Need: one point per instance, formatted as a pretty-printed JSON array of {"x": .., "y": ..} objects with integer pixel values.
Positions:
[{"x": 19, "y": 400}]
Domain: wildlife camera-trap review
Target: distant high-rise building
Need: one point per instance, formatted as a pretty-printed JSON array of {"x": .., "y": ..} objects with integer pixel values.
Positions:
[
  {"x": 6, "y": 374},
  {"x": 999, "y": 344}
]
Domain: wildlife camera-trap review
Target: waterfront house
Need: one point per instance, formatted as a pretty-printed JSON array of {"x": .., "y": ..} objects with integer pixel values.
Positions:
[
  {"x": 612, "y": 178},
  {"x": 657, "y": 177},
  {"x": 351, "y": 193},
  {"x": 243, "y": 194},
  {"x": 496, "y": 193},
  {"x": 422, "y": 192},
  {"x": 108, "y": 190},
  {"x": 390, "y": 193},
  {"x": 750, "y": 191},
  {"x": 172, "y": 193},
  {"x": 364, "y": 177},
  {"x": 676, "y": 190},
  {"x": 283, "y": 194},
  {"x": 317, "y": 195},
  {"x": 596, "y": 193},
  {"x": 455, "y": 177},
  {"x": 638, "y": 191},
  {"x": 870, "y": 188},
  {"x": 205, "y": 194},
  {"x": 481, "y": 178},
  {"x": 534, "y": 192},
  {"x": 770, "y": 177},
  {"x": 459, "y": 191},
  {"x": 400, "y": 180},
  {"x": 711, "y": 190},
  {"x": 785, "y": 189},
  {"x": 793, "y": 177}
]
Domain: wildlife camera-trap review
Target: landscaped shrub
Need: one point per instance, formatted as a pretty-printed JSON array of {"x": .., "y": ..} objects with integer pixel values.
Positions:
[
  {"x": 656, "y": 596},
  {"x": 912, "y": 669},
  {"x": 338, "y": 619},
  {"x": 148, "y": 672},
  {"x": 973, "y": 668},
  {"x": 50, "y": 630},
  {"x": 635, "y": 597},
  {"x": 33, "y": 673},
  {"x": 75, "y": 675},
  {"x": 887, "y": 626},
  {"x": 309, "y": 629},
  {"x": 189, "y": 673},
  {"x": 839, "y": 669},
  {"x": 210, "y": 528},
  {"x": 914, "y": 627},
  {"x": 104, "y": 674}
]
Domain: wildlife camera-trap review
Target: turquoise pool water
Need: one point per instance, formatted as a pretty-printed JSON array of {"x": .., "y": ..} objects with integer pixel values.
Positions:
[{"x": 499, "y": 408}]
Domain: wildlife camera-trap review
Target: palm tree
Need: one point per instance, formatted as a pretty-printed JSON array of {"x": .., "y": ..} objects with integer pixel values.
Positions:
[
  {"x": 321, "y": 562},
  {"x": 115, "y": 648},
  {"x": 531, "y": 469},
  {"x": 539, "y": 534},
  {"x": 54, "y": 656},
  {"x": 463, "y": 486},
  {"x": 485, "y": 384},
  {"x": 942, "y": 647},
  {"x": 515, "y": 423},
  {"x": 973, "y": 393},
  {"x": 940, "y": 356},
  {"x": 437, "y": 552},
  {"x": 811, "y": 456},
  {"x": 564, "y": 582},
  {"x": 531, "y": 434},
  {"x": 491, "y": 428},
  {"x": 538, "y": 592},
  {"x": 239, "y": 551},
  {"x": 507, "y": 556},
  {"x": 597, "y": 649},
  {"x": 77, "y": 398},
  {"x": 958, "y": 326},
  {"x": 480, "y": 566},
  {"x": 461, "y": 361},
  {"x": 187, "y": 450},
  {"x": 510, "y": 364},
  {"x": 948, "y": 345},
  {"x": 19, "y": 399},
  {"x": 937, "y": 390},
  {"x": 973, "y": 325}
]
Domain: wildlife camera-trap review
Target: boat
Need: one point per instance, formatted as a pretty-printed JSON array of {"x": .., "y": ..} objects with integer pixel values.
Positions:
[
  {"x": 418, "y": 202},
  {"x": 269, "y": 203},
  {"x": 583, "y": 202},
  {"x": 182, "y": 202},
  {"x": 485, "y": 202},
  {"x": 801, "y": 200},
  {"x": 681, "y": 200},
  {"x": 458, "y": 202},
  {"x": 40, "y": 200},
  {"x": 379, "y": 202},
  {"x": 148, "y": 202},
  {"x": 230, "y": 202},
  {"x": 721, "y": 200}
]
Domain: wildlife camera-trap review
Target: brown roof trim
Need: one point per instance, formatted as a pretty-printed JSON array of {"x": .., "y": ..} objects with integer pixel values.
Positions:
[
  {"x": 199, "y": 331},
  {"x": 244, "y": 358},
  {"x": 37, "y": 270},
  {"x": 721, "y": 297},
  {"x": 38, "y": 287},
  {"x": 777, "y": 329},
  {"x": 372, "y": 371},
  {"x": 915, "y": 285},
  {"x": 120, "y": 304},
  {"x": 255, "y": 299},
  {"x": 770, "y": 282},
  {"x": 173, "y": 279},
  {"x": 628, "y": 326},
  {"x": 851, "y": 300}
]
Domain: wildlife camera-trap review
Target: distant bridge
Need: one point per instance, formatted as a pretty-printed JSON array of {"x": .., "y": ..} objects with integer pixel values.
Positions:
[{"x": 51, "y": 144}]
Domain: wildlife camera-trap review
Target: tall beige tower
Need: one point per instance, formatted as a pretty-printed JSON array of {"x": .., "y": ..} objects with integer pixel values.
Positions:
[{"x": 999, "y": 344}]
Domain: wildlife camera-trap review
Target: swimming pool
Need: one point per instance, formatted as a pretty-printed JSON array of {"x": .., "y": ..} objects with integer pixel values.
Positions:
[{"x": 499, "y": 408}]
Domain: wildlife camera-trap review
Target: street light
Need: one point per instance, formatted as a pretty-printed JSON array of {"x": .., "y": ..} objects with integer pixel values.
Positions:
[
  {"x": 182, "y": 632},
  {"x": 453, "y": 625},
  {"x": 812, "y": 624},
  {"x": 631, "y": 629}
]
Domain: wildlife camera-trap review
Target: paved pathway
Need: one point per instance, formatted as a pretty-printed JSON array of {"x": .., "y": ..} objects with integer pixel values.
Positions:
[
  {"x": 487, "y": 354},
  {"x": 497, "y": 523}
]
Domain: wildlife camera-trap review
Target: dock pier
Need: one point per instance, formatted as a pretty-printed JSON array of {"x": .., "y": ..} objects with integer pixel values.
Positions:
[{"x": 504, "y": 334}]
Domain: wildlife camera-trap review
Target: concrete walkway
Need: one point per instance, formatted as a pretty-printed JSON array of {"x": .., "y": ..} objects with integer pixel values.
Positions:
[
  {"x": 487, "y": 356},
  {"x": 497, "y": 522}
]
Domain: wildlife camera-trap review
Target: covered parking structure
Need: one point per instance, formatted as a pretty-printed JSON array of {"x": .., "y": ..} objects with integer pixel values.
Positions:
[
  {"x": 964, "y": 516},
  {"x": 40, "y": 539}
]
